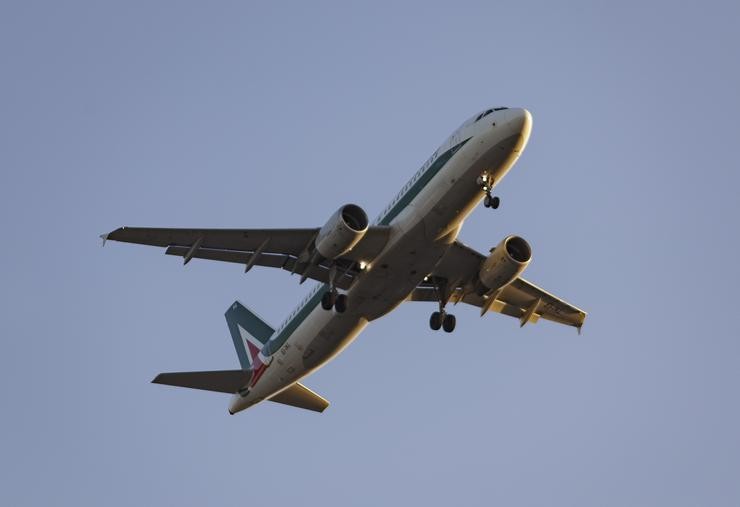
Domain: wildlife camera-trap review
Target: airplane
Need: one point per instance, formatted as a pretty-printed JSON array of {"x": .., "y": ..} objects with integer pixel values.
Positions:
[{"x": 409, "y": 253}]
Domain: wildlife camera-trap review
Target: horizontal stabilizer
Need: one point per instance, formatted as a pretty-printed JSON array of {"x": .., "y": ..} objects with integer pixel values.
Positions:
[
  {"x": 301, "y": 396},
  {"x": 222, "y": 381}
]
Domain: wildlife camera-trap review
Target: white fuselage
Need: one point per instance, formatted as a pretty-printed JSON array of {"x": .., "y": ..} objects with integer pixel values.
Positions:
[{"x": 424, "y": 218}]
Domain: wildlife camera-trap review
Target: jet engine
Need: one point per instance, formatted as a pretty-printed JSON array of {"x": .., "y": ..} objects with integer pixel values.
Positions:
[
  {"x": 342, "y": 231},
  {"x": 506, "y": 262}
]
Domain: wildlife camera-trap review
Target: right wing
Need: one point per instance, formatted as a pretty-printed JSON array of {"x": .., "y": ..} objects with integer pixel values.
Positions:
[
  {"x": 288, "y": 249},
  {"x": 520, "y": 299}
]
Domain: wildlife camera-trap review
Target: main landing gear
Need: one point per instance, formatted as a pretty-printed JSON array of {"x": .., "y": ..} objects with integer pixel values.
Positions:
[
  {"x": 332, "y": 299},
  {"x": 485, "y": 181},
  {"x": 442, "y": 319}
]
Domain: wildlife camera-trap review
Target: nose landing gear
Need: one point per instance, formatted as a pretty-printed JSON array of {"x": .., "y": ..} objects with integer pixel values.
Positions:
[
  {"x": 485, "y": 181},
  {"x": 491, "y": 201}
]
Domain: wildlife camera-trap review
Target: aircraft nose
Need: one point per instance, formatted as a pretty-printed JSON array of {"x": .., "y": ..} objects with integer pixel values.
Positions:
[{"x": 517, "y": 121}]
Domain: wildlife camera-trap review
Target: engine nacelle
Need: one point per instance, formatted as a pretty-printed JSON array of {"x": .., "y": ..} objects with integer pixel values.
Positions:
[
  {"x": 342, "y": 231},
  {"x": 506, "y": 261}
]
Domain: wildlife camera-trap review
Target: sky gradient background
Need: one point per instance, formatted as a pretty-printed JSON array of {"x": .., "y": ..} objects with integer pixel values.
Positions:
[{"x": 230, "y": 114}]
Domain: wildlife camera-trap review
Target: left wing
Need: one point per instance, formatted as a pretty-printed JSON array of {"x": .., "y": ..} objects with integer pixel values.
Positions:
[
  {"x": 288, "y": 249},
  {"x": 457, "y": 271}
]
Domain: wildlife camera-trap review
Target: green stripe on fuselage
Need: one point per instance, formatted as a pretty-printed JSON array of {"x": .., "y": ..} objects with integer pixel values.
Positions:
[
  {"x": 422, "y": 182},
  {"x": 279, "y": 340},
  {"x": 274, "y": 344}
]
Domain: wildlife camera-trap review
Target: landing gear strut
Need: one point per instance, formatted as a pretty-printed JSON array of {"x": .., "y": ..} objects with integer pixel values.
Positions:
[
  {"x": 332, "y": 298},
  {"x": 442, "y": 319},
  {"x": 485, "y": 181}
]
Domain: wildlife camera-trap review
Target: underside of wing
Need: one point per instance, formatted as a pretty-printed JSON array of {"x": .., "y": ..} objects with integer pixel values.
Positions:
[
  {"x": 288, "y": 249},
  {"x": 455, "y": 279},
  {"x": 289, "y": 241}
]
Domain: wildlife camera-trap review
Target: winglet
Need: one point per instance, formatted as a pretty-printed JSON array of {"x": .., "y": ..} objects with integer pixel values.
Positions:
[{"x": 104, "y": 237}]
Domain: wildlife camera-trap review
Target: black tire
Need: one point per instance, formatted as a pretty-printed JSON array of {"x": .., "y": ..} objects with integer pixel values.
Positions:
[
  {"x": 435, "y": 321},
  {"x": 327, "y": 300},
  {"x": 340, "y": 305},
  {"x": 487, "y": 201},
  {"x": 448, "y": 324},
  {"x": 495, "y": 202}
]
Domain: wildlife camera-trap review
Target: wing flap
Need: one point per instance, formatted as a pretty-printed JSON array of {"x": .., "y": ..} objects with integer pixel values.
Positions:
[
  {"x": 521, "y": 292},
  {"x": 286, "y": 262}
]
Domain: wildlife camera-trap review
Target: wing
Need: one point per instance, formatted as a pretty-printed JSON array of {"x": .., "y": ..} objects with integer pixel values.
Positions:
[
  {"x": 288, "y": 249},
  {"x": 458, "y": 270}
]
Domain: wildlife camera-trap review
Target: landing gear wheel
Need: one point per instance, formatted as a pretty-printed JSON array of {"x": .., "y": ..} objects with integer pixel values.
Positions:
[
  {"x": 328, "y": 300},
  {"x": 340, "y": 305},
  {"x": 490, "y": 201},
  {"x": 448, "y": 324},
  {"x": 435, "y": 321}
]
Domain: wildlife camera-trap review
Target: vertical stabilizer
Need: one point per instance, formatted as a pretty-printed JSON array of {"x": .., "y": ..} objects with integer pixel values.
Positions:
[{"x": 249, "y": 332}]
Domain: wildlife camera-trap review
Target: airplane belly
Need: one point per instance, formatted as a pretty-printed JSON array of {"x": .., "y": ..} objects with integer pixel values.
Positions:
[{"x": 397, "y": 272}]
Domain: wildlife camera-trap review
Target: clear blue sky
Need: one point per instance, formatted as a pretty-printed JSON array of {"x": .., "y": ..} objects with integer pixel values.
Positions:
[{"x": 236, "y": 114}]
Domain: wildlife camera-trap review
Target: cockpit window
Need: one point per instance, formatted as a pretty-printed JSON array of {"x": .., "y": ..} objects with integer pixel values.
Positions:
[
  {"x": 485, "y": 113},
  {"x": 475, "y": 118}
]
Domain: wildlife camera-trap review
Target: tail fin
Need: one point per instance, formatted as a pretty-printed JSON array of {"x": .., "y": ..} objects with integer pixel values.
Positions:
[{"x": 249, "y": 332}]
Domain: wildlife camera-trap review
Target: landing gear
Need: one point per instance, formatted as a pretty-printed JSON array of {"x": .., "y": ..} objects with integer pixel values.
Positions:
[
  {"x": 340, "y": 305},
  {"x": 435, "y": 321},
  {"x": 491, "y": 201},
  {"x": 328, "y": 300},
  {"x": 448, "y": 323},
  {"x": 485, "y": 181},
  {"x": 331, "y": 299},
  {"x": 442, "y": 320}
]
